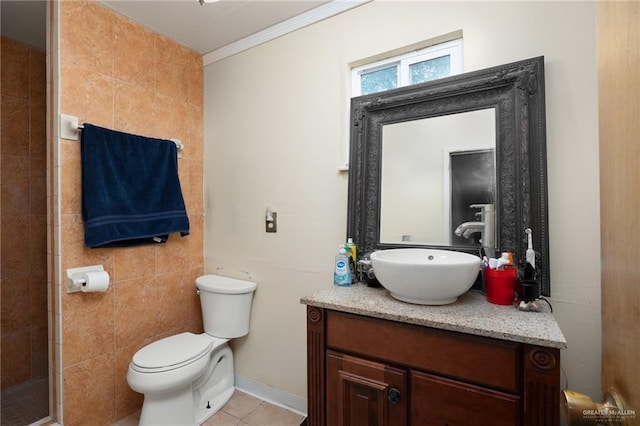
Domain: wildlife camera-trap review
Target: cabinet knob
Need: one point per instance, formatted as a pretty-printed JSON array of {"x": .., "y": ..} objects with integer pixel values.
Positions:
[{"x": 394, "y": 395}]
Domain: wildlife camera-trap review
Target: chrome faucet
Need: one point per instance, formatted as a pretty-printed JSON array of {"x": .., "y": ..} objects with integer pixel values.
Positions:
[
  {"x": 486, "y": 227},
  {"x": 466, "y": 229}
]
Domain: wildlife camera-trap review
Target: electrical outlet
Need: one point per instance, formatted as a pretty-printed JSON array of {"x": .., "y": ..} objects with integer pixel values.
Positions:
[{"x": 272, "y": 225}]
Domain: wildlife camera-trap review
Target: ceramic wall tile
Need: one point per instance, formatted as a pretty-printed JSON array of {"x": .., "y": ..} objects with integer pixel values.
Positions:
[
  {"x": 71, "y": 187},
  {"x": 135, "y": 310},
  {"x": 87, "y": 39},
  {"x": 134, "y": 262},
  {"x": 169, "y": 117},
  {"x": 15, "y": 249},
  {"x": 38, "y": 189},
  {"x": 39, "y": 351},
  {"x": 152, "y": 90},
  {"x": 15, "y": 185},
  {"x": 15, "y": 69},
  {"x": 38, "y": 130},
  {"x": 172, "y": 68},
  {"x": 37, "y": 76},
  {"x": 38, "y": 270},
  {"x": 173, "y": 293},
  {"x": 76, "y": 254},
  {"x": 23, "y": 220},
  {"x": 194, "y": 303},
  {"x": 87, "y": 95},
  {"x": 16, "y": 368},
  {"x": 133, "y": 109},
  {"x": 15, "y": 127},
  {"x": 88, "y": 326},
  {"x": 174, "y": 255},
  {"x": 196, "y": 79},
  {"x": 89, "y": 391},
  {"x": 38, "y": 302},
  {"x": 127, "y": 400},
  {"x": 15, "y": 307},
  {"x": 195, "y": 150},
  {"x": 134, "y": 54},
  {"x": 195, "y": 189},
  {"x": 196, "y": 238}
]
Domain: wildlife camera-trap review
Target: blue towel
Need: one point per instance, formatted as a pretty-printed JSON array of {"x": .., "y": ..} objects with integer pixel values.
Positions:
[{"x": 131, "y": 192}]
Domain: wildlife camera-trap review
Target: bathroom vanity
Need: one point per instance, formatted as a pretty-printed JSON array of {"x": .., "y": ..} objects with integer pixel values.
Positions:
[{"x": 377, "y": 361}]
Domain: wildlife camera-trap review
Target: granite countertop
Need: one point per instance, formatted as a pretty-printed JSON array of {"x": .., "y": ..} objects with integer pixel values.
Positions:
[{"x": 471, "y": 314}]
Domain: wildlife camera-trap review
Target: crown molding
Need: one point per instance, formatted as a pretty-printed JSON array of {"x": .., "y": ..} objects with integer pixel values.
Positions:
[{"x": 317, "y": 14}]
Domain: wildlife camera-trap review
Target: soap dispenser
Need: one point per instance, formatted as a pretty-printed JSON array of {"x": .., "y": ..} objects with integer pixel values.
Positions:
[{"x": 342, "y": 274}]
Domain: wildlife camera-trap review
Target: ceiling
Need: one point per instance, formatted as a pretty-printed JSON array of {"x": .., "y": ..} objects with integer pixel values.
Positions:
[
  {"x": 210, "y": 26},
  {"x": 204, "y": 28}
]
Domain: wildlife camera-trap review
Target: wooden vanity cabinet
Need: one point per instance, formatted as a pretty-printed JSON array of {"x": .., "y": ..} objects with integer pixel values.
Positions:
[
  {"x": 439, "y": 401},
  {"x": 368, "y": 371},
  {"x": 364, "y": 392}
]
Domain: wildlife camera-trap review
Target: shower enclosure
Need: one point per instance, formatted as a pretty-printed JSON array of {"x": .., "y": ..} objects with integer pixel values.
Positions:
[{"x": 23, "y": 232}]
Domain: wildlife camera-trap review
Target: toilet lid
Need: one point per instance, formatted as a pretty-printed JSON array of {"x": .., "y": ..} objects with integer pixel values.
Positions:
[
  {"x": 173, "y": 351},
  {"x": 224, "y": 285}
]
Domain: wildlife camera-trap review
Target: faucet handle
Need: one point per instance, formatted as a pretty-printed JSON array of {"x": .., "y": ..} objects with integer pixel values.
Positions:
[{"x": 484, "y": 207}]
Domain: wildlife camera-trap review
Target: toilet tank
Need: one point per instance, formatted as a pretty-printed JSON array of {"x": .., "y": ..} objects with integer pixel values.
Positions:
[{"x": 226, "y": 305}]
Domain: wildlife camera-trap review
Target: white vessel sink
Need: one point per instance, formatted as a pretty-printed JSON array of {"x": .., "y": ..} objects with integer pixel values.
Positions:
[{"x": 425, "y": 276}]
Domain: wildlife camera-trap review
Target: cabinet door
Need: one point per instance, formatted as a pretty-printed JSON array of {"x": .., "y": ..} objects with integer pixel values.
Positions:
[
  {"x": 439, "y": 401},
  {"x": 364, "y": 393}
]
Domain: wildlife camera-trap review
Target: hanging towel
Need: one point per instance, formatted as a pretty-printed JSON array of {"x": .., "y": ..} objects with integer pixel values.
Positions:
[{"x": 131, "y": 192}]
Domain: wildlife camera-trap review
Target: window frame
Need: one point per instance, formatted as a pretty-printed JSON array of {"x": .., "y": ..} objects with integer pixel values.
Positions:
[{"x": 451, "y": 48}]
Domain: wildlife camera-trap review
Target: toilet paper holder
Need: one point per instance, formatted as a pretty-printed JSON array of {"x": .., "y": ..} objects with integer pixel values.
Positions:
[{"x": 75, "y": 277}]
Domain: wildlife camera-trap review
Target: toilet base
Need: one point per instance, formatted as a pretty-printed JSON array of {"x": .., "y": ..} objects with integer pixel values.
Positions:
[
  {"x": 202, "y": 413},
  {"x": 176, "y": 409},
  {"x": 192, "y": 404},
  {"x": 168, "y": 409},
  {"x": 216, "y": 385}
]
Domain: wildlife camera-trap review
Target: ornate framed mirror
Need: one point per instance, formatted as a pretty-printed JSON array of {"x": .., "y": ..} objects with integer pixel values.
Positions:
[{"x": 423, "y": 157}]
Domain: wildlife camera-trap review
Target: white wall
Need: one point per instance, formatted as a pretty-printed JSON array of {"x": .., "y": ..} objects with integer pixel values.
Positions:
[{"x": 276, "y": 119}]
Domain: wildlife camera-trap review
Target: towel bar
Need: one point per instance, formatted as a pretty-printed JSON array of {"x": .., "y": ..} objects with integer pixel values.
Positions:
[{"x": 70, "y": 129}]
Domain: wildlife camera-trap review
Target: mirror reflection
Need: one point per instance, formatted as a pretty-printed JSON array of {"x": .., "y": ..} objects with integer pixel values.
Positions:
[{"x": 437, "y": 173}]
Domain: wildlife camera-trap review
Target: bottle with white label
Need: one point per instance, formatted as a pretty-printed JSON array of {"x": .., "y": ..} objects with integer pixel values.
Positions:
[{"x": 342, "y": 275}]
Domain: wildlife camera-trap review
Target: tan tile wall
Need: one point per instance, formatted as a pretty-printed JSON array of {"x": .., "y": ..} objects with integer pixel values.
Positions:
[
  {"x": 23, "y": 218},
  {"x": 118, "y": 74}
]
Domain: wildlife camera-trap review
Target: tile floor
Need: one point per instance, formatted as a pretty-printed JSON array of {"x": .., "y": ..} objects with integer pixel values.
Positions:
[
  {"x": 242, "y": 410},
  {"x": 25, "y": 403}
]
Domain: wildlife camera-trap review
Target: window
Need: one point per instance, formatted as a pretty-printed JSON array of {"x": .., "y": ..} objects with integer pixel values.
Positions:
[{"x": 437, "y": 61}]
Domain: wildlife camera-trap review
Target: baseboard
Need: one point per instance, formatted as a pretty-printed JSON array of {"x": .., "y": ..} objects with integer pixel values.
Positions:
[{"x": 271, "y": 395}]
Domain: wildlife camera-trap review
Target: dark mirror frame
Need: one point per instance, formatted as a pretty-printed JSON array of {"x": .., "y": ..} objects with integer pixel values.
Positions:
[{"x": 516, "y": 91}]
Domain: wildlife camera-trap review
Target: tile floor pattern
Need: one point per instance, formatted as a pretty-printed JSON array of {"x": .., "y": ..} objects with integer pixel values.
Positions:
[
  {"x": 242, "y": 410},
  {"x": 25, "y": 403}
]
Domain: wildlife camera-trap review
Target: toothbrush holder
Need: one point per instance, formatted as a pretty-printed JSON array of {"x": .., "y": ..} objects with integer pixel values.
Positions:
[{"x": 500, "y": 285}]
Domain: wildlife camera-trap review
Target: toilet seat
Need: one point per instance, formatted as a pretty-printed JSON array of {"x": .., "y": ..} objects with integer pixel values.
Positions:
[{"x": 172, "y": 352}]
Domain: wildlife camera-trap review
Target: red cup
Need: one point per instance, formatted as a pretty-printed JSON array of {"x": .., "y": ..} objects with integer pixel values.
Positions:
[{"x": 500, "y": 285}]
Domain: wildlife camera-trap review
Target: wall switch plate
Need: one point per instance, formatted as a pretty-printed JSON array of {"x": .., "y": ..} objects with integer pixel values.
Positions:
[{"x": 272, "y": 225}]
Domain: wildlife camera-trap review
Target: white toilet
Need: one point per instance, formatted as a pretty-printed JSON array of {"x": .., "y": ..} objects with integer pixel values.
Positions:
[{"x": 186, "y": 378}]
